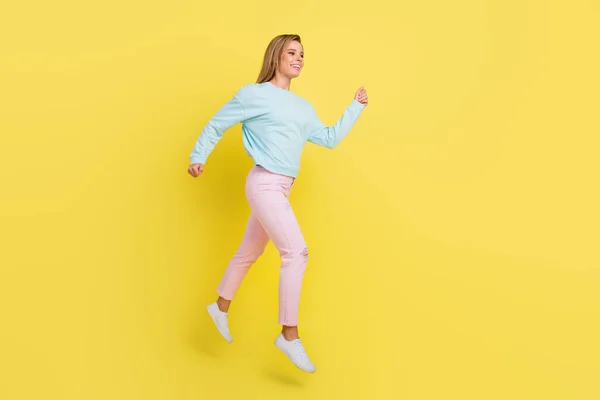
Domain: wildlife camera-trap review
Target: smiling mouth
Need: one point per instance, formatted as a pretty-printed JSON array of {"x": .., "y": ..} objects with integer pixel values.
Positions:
[{"x": 296, "y": 66}]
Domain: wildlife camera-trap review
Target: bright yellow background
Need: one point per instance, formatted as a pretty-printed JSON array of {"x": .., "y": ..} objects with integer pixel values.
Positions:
[{"x": 453, "y": 236}]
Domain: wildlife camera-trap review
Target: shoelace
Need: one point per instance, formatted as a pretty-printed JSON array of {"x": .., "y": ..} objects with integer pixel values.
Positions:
[
  {"x": 222, "y": 316},
  {"x": 300, "y": 349}
]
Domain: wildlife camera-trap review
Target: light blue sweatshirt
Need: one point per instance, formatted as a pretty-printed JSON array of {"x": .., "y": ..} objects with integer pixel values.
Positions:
[{"x": 276, "y": 124}]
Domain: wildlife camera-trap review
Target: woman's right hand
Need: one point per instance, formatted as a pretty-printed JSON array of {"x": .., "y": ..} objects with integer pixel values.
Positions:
[{"x": 195, "y": 170}]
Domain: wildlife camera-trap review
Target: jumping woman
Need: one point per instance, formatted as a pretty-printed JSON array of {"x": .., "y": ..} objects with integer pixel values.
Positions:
[{"x": 276, "y": 124}]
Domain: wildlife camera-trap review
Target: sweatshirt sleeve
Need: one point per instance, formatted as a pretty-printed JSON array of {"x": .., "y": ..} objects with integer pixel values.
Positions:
[
  {"x": 331, "y": 136},
  {"x": 227, "y": 116}
]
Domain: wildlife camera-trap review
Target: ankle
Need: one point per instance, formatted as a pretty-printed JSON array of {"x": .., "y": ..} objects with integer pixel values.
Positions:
[
  {"x": 290, "y": 333},
  {"x": 223, "y": 304}
]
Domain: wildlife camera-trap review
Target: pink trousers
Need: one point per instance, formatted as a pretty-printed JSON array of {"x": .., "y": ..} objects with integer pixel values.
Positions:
[{"x": 271, "y": 218}]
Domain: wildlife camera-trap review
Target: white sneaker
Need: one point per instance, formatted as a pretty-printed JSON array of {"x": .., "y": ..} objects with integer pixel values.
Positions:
[
  {"x": 220, "y": 319},
  {"x": 294, "y": 350}
]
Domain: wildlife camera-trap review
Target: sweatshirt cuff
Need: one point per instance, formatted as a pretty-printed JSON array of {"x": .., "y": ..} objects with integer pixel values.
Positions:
[
  {"x": 197, "y": 160},
  {"x": 356, "y": 105}
]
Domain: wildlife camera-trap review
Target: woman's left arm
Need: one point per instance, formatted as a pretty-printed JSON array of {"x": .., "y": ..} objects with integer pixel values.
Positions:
[{"x": 331, "y": 136}]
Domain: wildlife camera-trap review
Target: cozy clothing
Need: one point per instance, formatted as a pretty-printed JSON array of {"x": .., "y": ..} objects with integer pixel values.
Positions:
[{"x": 276, "y": 124}]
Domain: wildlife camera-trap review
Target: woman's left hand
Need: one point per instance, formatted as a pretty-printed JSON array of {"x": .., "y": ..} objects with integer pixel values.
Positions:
[{"x": 361, "y": 96}]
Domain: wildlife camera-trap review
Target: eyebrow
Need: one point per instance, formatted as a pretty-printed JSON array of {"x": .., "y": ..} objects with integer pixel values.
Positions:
[{"x": 292, "y": 49}]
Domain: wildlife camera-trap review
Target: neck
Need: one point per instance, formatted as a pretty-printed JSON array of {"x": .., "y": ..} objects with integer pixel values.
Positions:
[{"x": 281, "y": 81}]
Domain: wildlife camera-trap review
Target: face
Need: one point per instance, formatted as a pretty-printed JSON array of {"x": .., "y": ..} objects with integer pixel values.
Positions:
[{"x": 292, "y": 60}]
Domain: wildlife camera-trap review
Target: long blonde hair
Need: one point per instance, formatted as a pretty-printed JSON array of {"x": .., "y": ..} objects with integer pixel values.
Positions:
[{"x": 273, "y": 56}]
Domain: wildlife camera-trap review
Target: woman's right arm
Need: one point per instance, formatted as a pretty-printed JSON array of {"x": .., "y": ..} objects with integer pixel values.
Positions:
[{"x": 227, "y": 116}]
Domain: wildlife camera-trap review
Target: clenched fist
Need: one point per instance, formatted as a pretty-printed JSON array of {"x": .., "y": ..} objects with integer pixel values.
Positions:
[
  {"x": 195, "y": 170},
  {"x": 361, "y": 96}
]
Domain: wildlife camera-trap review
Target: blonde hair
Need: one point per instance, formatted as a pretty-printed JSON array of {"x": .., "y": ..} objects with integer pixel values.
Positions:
[{"x": 273, "y": 55}]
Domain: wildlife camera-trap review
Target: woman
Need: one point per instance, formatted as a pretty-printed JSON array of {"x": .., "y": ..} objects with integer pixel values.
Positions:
[{"x": 276, "y": 124}]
